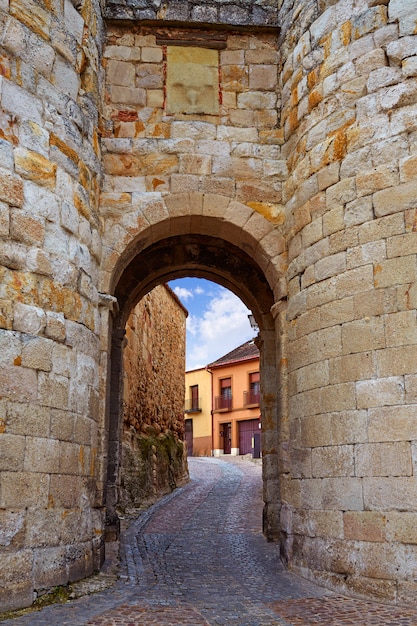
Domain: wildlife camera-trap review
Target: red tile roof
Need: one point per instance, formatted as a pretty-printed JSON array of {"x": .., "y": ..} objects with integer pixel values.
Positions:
[{"x": 245, "y": 352}]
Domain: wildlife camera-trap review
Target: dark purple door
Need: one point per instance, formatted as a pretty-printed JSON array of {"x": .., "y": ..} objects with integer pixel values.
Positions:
[
  {"x": 189, "y": 436},
  {"x": 247, "y": 429},
  {"x": 227, "y": 438}
]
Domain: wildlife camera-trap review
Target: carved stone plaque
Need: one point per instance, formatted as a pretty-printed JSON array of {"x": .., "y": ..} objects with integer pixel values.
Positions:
[{"x": 192, "y": 80}]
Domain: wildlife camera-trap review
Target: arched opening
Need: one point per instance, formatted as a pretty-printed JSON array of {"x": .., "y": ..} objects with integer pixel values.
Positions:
[
  {"x": 217, "y": 322},
  {"x": 201, "y": 256}
]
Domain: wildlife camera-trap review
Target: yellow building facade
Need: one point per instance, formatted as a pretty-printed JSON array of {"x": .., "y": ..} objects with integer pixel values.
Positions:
[{"x": 198, "y": 417}]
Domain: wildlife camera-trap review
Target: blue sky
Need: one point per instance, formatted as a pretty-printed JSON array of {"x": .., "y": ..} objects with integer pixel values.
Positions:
[{"x": 217, "y": 320}]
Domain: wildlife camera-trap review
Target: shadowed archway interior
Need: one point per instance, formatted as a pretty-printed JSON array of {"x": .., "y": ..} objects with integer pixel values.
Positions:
[{"x": 199, "y": 256}]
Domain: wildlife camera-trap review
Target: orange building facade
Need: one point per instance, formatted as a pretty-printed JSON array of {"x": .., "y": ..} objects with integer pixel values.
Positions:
[{"x": 235, "y": 402}]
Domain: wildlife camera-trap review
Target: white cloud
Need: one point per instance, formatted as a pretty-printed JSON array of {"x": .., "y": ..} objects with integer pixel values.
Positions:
[
  {"x": 183, "y": 293},
  {"x": 221, "y": 327}
]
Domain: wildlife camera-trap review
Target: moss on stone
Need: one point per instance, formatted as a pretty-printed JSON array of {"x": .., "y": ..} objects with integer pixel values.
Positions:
[
  {"x": 56, "y": 595},
  {"x": 152, "y": 465}
]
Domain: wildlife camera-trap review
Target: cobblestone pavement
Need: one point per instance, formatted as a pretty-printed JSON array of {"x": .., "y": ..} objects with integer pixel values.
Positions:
[{"x": 198, "y": 558}]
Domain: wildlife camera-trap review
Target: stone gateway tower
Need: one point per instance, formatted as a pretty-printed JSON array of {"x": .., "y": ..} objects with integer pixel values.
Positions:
[{"x": 269, "y": 145}]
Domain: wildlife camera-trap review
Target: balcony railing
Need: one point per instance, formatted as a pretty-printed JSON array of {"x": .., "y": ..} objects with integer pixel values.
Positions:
[
  {"x": 250, "y": 397},
  {"x": 223, "y": 403},
  {"x": 193, "y": 405}
]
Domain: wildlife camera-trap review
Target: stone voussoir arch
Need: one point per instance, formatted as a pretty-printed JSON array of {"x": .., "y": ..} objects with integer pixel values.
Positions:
[
  {"x": 153, "y": 217},
  {"x": 207, "y": 236}
]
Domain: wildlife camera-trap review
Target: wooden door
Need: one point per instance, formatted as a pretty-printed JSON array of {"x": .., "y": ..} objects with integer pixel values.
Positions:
[
  {"x": 189, "y": 436},
  {"x": 227, "y": 438},
  {"x": 247, "y": 429}
]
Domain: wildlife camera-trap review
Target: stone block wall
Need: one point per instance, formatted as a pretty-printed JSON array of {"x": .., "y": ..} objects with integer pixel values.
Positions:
[
  {"x": 153, "y": 453},
  {"x": 349, "y": 92},
  {"x": 149, "y": 155},
  {"x": 51, "y": 516}
]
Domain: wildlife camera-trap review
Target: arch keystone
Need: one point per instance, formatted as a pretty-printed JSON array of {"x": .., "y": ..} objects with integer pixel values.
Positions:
[{"x": 215, "y": 205}]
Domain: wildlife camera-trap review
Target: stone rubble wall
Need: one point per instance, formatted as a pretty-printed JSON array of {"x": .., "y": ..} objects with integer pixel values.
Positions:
[
  {"x": 153, "y": 456},
  {"x": 349, "y": 91},
  {"x": 51, "y": 518}
]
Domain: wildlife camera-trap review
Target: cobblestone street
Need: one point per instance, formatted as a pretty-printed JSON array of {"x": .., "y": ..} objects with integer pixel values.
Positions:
[{"x": 198, "y": 557}]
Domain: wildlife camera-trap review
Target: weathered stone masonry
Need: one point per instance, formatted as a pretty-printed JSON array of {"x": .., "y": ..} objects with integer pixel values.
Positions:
[
  {"x": 349, "y": 92},
  {"x": 296, "y": 187},
  {"x": 52, "y": 450},
  {"x": 154, "y": 454}
]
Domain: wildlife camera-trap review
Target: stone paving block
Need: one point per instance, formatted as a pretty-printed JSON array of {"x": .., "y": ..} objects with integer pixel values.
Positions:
[
  {"x": 154, "y": 614},
  {"x": 339, "y": 611}
]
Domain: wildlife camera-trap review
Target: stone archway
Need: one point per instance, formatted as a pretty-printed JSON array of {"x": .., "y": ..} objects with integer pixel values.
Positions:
[
  {"x": 305, "y": 166},
  {"x": 211, "y": 257}
]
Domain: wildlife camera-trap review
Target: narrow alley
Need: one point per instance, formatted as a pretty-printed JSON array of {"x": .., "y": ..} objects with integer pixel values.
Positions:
[{"x": 198, "y": 558}]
